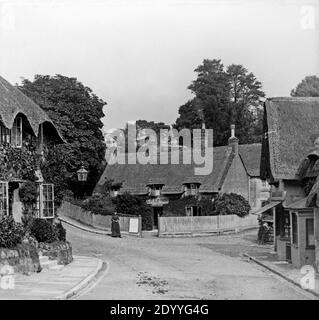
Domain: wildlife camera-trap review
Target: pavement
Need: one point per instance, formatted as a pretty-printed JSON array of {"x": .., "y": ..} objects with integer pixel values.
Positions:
[
  {"x": 59, "y": 283},
  {"x": 285, "y": 270}
]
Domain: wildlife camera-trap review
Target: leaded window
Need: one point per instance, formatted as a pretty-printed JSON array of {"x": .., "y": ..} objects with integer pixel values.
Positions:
[
  {"x": 16, "y": 133},
  {"x": 4, "y": 199},
  {"x": 46, "y": 200}
]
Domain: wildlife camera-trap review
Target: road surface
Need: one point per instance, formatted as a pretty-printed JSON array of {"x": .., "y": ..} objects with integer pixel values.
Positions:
[{"x": 180, "y": 268}]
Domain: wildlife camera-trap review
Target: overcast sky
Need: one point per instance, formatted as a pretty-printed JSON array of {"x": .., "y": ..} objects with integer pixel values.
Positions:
[{"x": 139, "y": 56}]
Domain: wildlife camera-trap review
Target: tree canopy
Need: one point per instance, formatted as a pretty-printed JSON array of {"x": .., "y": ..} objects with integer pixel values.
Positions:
[
  {"x": 223, "y": 97},
  {"x": 308, "y": 87},
  {"x": 76, "y": 111}
]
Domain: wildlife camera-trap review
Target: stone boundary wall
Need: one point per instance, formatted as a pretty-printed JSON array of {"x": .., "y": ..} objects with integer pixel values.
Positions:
[
  {"x": 24, "y": 258},
  {"x": 60, "y": 251}
]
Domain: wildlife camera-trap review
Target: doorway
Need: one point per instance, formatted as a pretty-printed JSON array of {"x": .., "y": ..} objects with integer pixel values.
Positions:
[{"x": 157, "y": 212}]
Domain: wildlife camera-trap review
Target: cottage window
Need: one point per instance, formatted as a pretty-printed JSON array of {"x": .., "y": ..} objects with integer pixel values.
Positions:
[
  {"x": 294, "y": 226},
  {"x": 155, "y": 190},
  {"x": 193, "y": 189},
  {"x": 46, "y": 200},
  {"x": 193, "y": 211},
  {"x": 16, "y": 133},
  {"x": 5, "y": 135},
  {"x": 4, "y": 199},
  {"x": 310, "y": 239}
]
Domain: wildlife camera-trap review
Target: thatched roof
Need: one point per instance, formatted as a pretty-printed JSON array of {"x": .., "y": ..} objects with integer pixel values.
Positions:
[
  {"x": 14, "y": 102},
  {"x": 135, "y": 177},
  {"x": 291, "y": 126}
]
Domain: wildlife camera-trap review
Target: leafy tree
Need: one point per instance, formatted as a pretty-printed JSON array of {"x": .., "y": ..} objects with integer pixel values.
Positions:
[
  {"x": 246, "y": 102},
  {"x": 308, "y": 87},
  {"x": 129, "y": 204},
  {"x": 222, "y": 98},
  {"x": 76, "y": 111},
  {"x": 232, "y": 203},
  {"x": 189, "y": 117}
]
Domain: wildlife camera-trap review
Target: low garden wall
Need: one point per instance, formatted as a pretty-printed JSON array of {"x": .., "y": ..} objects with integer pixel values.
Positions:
[
  {"x": 204, "y": 224},
  {"x": 75, "y": 212},
  {"x": 60, "y": 251},
  {"x": 23, "y": 258}
]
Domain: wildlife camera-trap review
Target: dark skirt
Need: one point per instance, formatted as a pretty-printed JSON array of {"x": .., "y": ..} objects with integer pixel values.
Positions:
[{"x": 115, "y": 228}]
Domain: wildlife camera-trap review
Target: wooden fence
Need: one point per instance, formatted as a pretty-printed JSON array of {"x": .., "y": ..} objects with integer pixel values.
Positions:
[
  {"x": 204, "y": 224},
  {"x": 97, "y": 221}
]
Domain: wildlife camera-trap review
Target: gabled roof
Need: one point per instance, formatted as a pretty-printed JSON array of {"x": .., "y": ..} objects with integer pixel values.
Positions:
[
  {"x": 291, "y": 126},
  {"x": 135, "y": 177},
  {"x": 13, "y": 102}
]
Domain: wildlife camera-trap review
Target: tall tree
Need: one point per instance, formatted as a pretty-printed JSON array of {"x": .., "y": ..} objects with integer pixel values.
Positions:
[
  {"x": 76, "y": 111},
  {"x": 211, "y": 101},
  {"x": 308, "y": 87},
  {"x": 246, "y": 101},
  {"x": 222, "y": 98}
]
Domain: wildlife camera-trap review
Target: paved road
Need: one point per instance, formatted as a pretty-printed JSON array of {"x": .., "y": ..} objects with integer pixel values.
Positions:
[{"x": 180, "y": 268}]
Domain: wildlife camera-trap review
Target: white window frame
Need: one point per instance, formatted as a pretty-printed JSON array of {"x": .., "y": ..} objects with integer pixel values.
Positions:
[
  {"x": 193, "y": 189},
  {"x": 4, "y": 198},
  {"x": 42, "y": 200},
  {"x": 5, "y": 134},
  {"x": 16, "y": 133}
]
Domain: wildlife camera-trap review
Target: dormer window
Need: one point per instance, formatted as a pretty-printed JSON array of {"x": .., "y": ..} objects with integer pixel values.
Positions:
[
  {"x": 115, "y": 192},
  {"x": 191, "y": 189},
  {"x": 16, "y": 133},
  {"x": 155, "y": 190}
]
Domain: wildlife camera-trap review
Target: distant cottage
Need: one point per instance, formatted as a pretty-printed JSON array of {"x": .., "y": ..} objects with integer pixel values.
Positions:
[
  {"x": 235, "y": 169},
  {"x": 23, "y": 126}
]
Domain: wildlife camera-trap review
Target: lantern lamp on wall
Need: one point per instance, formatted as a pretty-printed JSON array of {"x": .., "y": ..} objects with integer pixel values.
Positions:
[{"x": 82, "y": 174}]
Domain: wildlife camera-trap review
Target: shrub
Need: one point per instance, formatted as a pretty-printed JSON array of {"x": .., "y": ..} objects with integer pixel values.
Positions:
[
  {"x": 208, "y": 207},
  {"x": 28, "y": 193},
  {"x": 176, "y": 208},
  {"x": 11, "y": 232},
  {"x": 43, "y": 231},
  {"x": 61, "y": 232},
  {"x": 98, "y": 204},
  {"x": 232, "y": 203},
  {"x": 129, "y": 204}
]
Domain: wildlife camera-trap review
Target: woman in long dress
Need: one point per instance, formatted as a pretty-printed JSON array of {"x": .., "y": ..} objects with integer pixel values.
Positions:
[{"x": 115, "y": 227}]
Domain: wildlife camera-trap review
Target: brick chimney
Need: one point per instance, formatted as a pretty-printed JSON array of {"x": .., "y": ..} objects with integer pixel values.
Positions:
[{"x": 233, "y": 141}]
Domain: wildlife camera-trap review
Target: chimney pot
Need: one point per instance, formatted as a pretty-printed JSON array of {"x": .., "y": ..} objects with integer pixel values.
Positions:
[{"x": 232, "y": 130}]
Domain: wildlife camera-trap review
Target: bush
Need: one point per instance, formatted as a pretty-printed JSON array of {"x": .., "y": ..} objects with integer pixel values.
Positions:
[
  {"x": 43, "y": 231},
  {"x": 98, "y": 204},
  {"x": 177, "y": 208},
  {"x": 61, "y": 232},
  {"x": 28, "y": 193},
  {"x": 11, "y": 232},
  {"x": 232, "y": 203},
  {"x": 133, "y": 205}
]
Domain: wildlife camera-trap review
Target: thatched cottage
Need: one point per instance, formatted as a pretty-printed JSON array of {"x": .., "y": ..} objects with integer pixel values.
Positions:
[
  {"x": 24, "y": 126},
  {"x": 235, "y": 169},
  {"x": 291, "y": 131}
]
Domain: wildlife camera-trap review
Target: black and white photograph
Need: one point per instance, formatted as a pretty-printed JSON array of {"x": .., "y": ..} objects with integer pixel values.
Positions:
[{"x": 159, "y": 155}]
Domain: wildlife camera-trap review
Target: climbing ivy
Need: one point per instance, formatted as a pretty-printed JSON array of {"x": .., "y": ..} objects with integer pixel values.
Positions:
[{"x": 18, "y": 163}]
